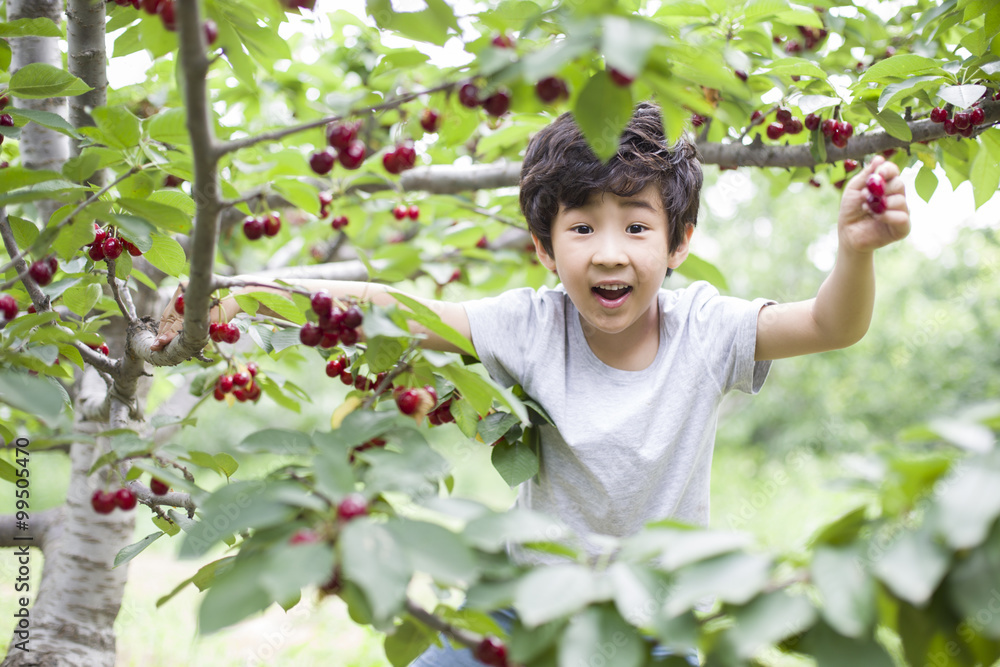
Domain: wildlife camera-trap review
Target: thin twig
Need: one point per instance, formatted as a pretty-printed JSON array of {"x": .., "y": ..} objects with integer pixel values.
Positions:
[{"x": 460, "y": 635}]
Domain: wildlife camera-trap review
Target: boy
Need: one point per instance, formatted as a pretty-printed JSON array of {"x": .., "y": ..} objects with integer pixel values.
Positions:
[{"x": 631, "y": 374}]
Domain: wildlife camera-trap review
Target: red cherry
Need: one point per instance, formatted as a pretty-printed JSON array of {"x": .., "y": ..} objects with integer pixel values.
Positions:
[
  {"x": 783, "y": 115},
  {"x": 240, "y": 395},
  {"x": 813, "y": 182},
  {"x": 112, "y": 247},
  {"x": 41, "y": 272},
  {"x": 619, "y": 78},
  {"x": 329, "y": 339},
  {"x": 353, "y": 317},
  {"x": 794, "y": 126},
  {"x": 775, "y": 130},
  {"x": 352, "y": 156},
  {"x": 349, "y": 336},
  {"x": 812, "y": 122},
  {"x": 698, "y": 120},
  {"x": 339, "y": 222},
  {"x": 347, "y": 378},
  {"x": 325, "y": 199},
  {"x": 413, "y": 212},
  {"x": 179, "y": 304},
  {"x": 828, "y": 127},
  {"x": 103, "y": 502},
  {"x": 792, "y": 46},
  {"x": 468, "y": 95},
  {"x": 408, "y": 401},
  {"x": 241, "y": 379},
  {"x": 340, "y": 135},
  {"x": 847, "y": 129},
  {"x": 8, "y": 307},
  {"x": 158, "y": 487},
  {"x": 334, "y": 367},
  {"x": 875, "y": 185},
  {"x": 850, "y": 165},
  {"x": 132, "y": 248},
  {"x": 99, "y": 235},
  {"x": 400, "y": 212},
  {"x": 977, "y": 116},
  {"x": 430, "y": 120},
  {"x": 303, "y": 536},
  {"x": 225, "y": 383},
  {"x": 252, "y": 369},
  {"x": 967, "y": 132},
  {"x": 876, "y": 204},
  {"x": 253, "y": 392},
  {"x": 253, "y": 228},
  {"x": 151, "y": 6},
  {"x": 949, "y": 126},
  {"x": 433, "y": 393},
  {"x": 230, "y": 333},
  {"x": 407, "y": 155},
  {"x": 756, "y": 117},
  {"x": 352, "y": 506},
  {"x": 839, "y": 138},
  {"x": 491, "y": 651},
  {"x": 391, "y": 162},
  {"x": 211, "y": 31},
  {"x": 962, "y": 120},
  {"x": 4, "y": 101},
  {"x": 503, "y": 42},
  {"x": 741, "y": 75},
  {"x": 96, "y": 253},
  {"x": 498, "y": 103},
  {"x": 938, "y": 115},
  {"x": 310, "y": 334},
  {"x": 104, "y": 349},
  {"x": 322, "y": 162},
  {"x": 167, "y": 15},
  {"x": 125, "y": 499},
  {"x": 6, "y": 120},
  {"x": 551, "y": 88},
  {"x": 321, "y": 302},
  {"x": 272, "y": 223}
]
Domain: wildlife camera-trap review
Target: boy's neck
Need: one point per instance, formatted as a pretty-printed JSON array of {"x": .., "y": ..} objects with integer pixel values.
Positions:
[{"x": 631, "y": 350}]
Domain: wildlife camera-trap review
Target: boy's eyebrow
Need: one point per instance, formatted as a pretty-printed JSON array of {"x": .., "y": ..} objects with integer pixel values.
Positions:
[{"x": 624, "y": 203}]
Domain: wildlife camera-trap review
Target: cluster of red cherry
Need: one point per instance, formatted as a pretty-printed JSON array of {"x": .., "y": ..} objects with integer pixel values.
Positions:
[
  {"x": 240, "y": 384},
  {"x": 335, "y": 325},
  {"x": 108, "y": 245},
  {"x": 962, "y": 122},
  {"x": 255, "y": 227},
  {"x": 104, "y": 502},
  {"x": 344, "y": 146}
]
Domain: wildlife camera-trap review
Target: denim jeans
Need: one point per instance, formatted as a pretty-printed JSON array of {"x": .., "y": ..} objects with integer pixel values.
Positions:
[{"x": 446, "y": 656}]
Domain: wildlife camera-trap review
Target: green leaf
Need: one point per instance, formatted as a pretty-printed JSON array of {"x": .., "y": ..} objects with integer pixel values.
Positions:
[
  {"x": 926, "y": 183},
  {"x": 407, "y": 641},
  {"x": 892, "y": 122},
  {"x": 235, "y": 593},
  {"x": 280, "y": 304},
  {"x": 626, "y": 42},
  {"x": 7, "y": 472},
  {"x": 985, "y": 173},
  {"x": 734, "y": 578},
  {"x": 602, "y": 111},
  {"x": 5, "y": 55},
  {"x": 968, "y": 504},
  {"x": 769, "y": 619},
  {"x": 373, "y": 559},
  {"x": 972, "y": 584},
  {"x": 37, "y": 81},
  {"x": 133, "y": 550},
  {"x": 47, "y": 119},
  {"x": 226, "y": 463},
  {"x": 435, "y": 551},
  {"x": 276, "y": 441},
  {"x": 423, "y": 26},
  {"x": 911, "y": 85},
  {"x": 16, "y": 177},
  {"x": 426, "y": 317},
  {"x": 913, "y": 566},
  {"x": 962, "y": 96},
  {"x": 591, "y": 632},
  {"x": 161, "y": 215},
  {"x": 675, "y": 547},
  {"x": 170, "y": 127},
  {"x": 81, "y": 298},
  {"x": 298, "y": 193},
  {"x": 900, "y": 67},
  {"x": 119, "y": 126},
  {"x": 494, "y": 426},
  {"x": 492, "y": 532},
  {"x": 548, "y": 593},
  {"x": 696, "y": 268},
  {"x": 167, "y": 255},
  {"x": 516, "y": 462},
  {"x": 832, "y": 650},
  {"x": 37, "y": 27},
  {"x": 847, "y": 589},
  {"x": 638, "y": 591},
  {"x": 795, "y": 67},
  {"x": 45, "y": 190}
]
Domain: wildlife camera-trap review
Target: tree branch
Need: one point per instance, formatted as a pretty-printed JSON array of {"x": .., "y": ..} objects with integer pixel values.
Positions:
[
  {"x": 42, "y": 527},
  {"x": 460, "y": 635}
]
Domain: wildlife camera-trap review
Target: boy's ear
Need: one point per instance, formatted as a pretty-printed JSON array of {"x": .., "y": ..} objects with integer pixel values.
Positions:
[
  {"x": 543, "y": 256},
  {"x": 680, "y": 253}
]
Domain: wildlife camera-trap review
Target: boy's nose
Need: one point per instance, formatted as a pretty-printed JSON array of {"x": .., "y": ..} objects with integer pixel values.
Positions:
[{"x": 609, "y": 252}]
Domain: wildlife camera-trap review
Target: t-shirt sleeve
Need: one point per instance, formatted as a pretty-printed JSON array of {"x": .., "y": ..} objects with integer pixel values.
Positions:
[
  {"x": 504, "y": 327},
  {"x": 727, "y": 328}
]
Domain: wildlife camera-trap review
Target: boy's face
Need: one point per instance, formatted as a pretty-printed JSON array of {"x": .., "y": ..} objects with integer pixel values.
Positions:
[{"x": 612, "y": 257}]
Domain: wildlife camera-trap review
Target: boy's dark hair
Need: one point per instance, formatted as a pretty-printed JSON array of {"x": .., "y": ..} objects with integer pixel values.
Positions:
[{"x": 560, "y": 168}]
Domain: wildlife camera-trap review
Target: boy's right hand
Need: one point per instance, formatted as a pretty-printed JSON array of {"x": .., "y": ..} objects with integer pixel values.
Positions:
[{"x": 171, "y": 323}]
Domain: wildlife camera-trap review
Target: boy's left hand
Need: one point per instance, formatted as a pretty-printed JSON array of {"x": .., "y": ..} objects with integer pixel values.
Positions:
[{"x": 861, "y": 229}]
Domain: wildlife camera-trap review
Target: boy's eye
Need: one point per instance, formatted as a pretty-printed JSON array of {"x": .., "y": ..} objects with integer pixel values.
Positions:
[
  {"x": 636, "y": 228},
  {"x": 580, "y": 229}
]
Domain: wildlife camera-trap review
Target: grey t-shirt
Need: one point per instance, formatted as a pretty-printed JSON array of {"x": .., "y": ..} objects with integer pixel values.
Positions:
[{"x": 627, "y": 447}]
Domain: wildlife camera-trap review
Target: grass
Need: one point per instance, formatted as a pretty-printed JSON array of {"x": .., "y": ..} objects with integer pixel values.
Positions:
[{"x": 780, "y": 501}]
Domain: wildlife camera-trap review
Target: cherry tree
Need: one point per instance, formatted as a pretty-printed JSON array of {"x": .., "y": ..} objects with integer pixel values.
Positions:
[{"x": 254, "y": 153}]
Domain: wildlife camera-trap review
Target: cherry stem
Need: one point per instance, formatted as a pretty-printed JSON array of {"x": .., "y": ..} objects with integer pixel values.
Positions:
[
  {"x": 401, "y": 366},
  {"x": 430, "y": 620}
]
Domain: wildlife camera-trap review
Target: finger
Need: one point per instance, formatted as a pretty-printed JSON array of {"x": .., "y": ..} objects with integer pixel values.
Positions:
[
  {"x": 888, "y": 170},
  {"x": 858, "y": 181}
]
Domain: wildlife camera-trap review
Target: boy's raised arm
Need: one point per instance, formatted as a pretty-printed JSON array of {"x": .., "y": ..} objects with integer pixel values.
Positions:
[
  {"x": 452, "y": 314},
  {"x": 841, "y": 312}
]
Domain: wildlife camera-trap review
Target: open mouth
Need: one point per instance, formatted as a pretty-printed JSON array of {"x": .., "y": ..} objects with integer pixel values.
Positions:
[{"x": 612, "y": 293}]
